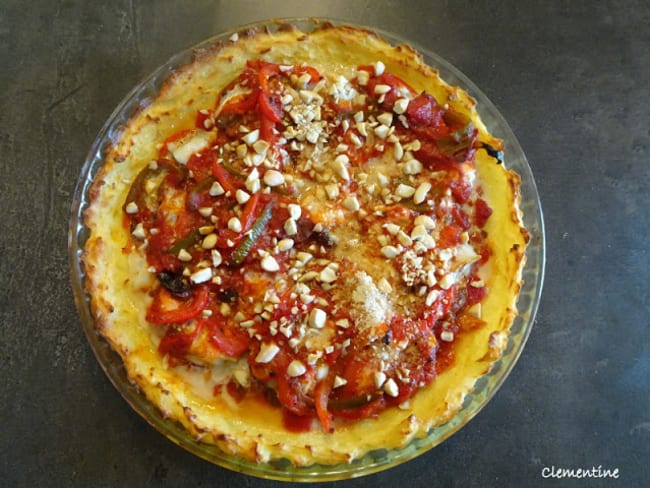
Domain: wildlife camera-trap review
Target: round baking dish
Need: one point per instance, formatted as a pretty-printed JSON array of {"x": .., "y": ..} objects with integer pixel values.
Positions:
[{"x": 486, "y": 386}]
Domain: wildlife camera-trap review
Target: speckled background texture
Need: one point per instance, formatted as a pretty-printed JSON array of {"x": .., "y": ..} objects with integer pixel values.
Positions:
[{"x": 572, "y": 79}]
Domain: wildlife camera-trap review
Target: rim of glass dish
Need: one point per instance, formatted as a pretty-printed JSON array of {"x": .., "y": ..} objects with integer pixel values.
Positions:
[{"x": 374, "y": 461}]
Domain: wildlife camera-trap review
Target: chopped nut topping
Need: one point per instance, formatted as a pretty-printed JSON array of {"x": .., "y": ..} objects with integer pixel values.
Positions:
[
  {"x": 398, "y": 151},
  {"x": 269, "y": 263},
  {"x": 338, "y": 382},
  {"x": 216, "y": 258},
  {"x": 209, "y": 241},
  {"x": 391, "y": 388},
  {"x": 139, "y": 231},
  {"x": 404, "y": 191},
  {"x": 205, "y": 211},
  {"x": 296, "y": 368},
  {"x": 131, "y": 208},
  {"x": 382, "y": 89},
  {"x": 234, "y": 224},
  {"x": 386, "y": 118},
  {"x": 432, "y": 296},
  {"x": 447, "y": 335},
  {"x": 317, "y": 318},
  {"x": 390, "y": 251},
  {"x": 216, "y": 189},
  {"x": 340, "y": 166},
  {"x": 380, "y": 378},
  {"x": 201, "y": 276},
  {"x": 424, "y": 220},
  {"x": 261, "y": 146},
  {"x": 327, "y": 275},
  {"x": 351, "y": 203},
  {"x": 184, "y": 256},
  {"x": 267, "y": 352},
  {"x": 285, "y": 244},
  {"x": 290, "y": 227},
  {"x": 421, "y": 192},
  {"x": 400, "y": 106},
  {"x": 241, "y": 196},
  {"x": 363, "y": 77},
  {"x": 251, "y": 137},
  {"x": 273, "y": 178},
  {"x": 295, "y": 211},
  {"x": 382, "y": 131},
  {"x": 413, "y": 167}
]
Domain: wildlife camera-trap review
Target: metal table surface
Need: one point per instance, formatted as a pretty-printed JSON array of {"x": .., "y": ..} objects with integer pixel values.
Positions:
[{"x": 572, "y": 79}]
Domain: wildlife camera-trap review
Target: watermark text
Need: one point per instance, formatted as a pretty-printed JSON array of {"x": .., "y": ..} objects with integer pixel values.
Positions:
[{"x": 591, "y": 472}]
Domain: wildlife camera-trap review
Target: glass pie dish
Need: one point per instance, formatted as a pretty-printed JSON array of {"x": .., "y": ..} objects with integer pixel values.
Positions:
[{"x": 485, "y": 387}]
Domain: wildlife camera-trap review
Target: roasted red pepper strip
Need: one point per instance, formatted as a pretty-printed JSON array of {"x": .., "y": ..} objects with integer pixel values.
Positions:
[
  {"x": 249, "y": 214},
  {"x": 268, "y": 108},
  {"x": 225, "y": 179},
  {"x": 266, "y": 131},
  {"x": 369, "y": 409},
  {"x": 229, "y": 339},
  {"x": 240, "y": 104},
  {"x": 266, "y": 71},
  {"x": 164, "y": 150},
  {"x": 185, "y": 311},
  {"x": 177, "y": 344},
  {"x": 313, "y": 72},
  {"x": 321, "y": 397}
]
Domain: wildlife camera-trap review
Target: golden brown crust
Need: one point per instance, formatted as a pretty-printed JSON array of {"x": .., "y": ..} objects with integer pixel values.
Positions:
[{"x": 253, "y": 429}]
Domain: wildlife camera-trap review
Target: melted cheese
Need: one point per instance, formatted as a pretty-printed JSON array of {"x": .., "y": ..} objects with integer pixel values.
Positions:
[{"x": 371, "y": 307}]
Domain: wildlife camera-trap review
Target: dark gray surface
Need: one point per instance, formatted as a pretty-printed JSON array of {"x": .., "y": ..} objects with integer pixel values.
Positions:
[{"x": 573, "y": 80}]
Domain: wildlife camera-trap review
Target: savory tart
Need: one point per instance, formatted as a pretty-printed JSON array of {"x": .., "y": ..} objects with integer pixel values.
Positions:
[{"x": 306, "y": 246}]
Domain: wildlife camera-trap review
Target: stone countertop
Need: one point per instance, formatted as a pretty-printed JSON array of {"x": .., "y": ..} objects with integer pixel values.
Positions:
[{"x": 572, "y": 79}]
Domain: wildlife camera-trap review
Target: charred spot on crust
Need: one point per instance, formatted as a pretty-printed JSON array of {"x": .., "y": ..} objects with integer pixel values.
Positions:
[{"x": 493, "y": 152}]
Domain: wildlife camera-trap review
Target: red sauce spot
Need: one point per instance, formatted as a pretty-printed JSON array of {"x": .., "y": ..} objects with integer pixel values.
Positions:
[
  {"x": 485, "y": 253},
  {"x": 201, "y": 117},
  {"x": 444, "y": 356},
  {"x": 450, "y": 236},
  {"x": 475, "y": 294},
  {"x": 296, "y": 423},
  {"x": 460, "y": 218},
  {"x": 423, "y": 110},
  {"x": 482, "y": 212},
  {"x": 461, "y": 190},
  {"x": 236, "y": 391},
  {"x": 201, "y": 165}
]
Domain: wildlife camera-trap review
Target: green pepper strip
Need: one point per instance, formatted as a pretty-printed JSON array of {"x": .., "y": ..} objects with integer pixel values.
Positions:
[
  {"x": 194, "y": 192},
  {"x": 137, "y": 192},
  {"x": 457, "y": 142},
  {"x": 230, "y": 169},
  {"x": 417, "y": 207},
  {"x": 187, "y": 241},
  {"x": 258, "y": 228}
]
